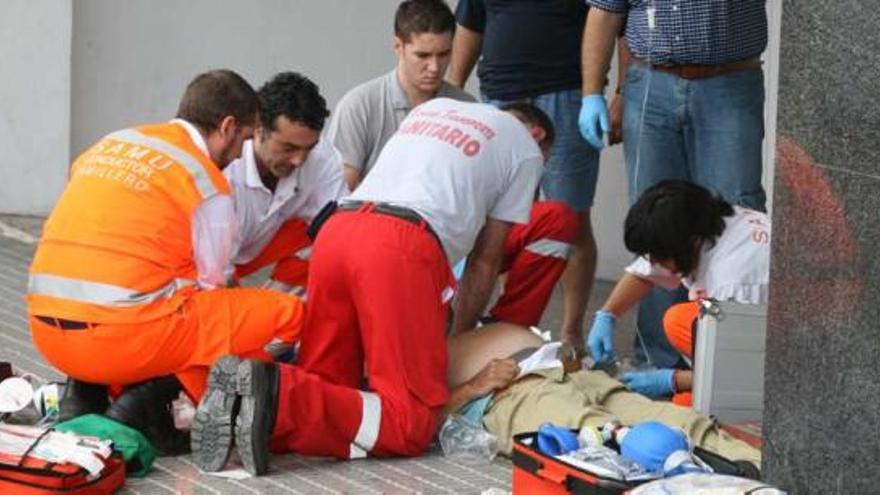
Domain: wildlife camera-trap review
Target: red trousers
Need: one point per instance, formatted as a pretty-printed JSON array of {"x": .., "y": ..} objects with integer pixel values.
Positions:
[
  {"x": 678, "y": 324},
  {"x": 378, "y": 290},
  {"x": 535, "y": 256},
  {"x": 282, "y": 251}
]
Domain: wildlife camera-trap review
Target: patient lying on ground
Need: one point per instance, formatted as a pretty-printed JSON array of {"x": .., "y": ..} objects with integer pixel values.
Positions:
[{"x": 484, "y": 386}]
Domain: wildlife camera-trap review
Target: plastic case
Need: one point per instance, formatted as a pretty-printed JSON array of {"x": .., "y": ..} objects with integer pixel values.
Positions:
[
  {"x": 537, "y": 474},
  {"x": 729, "y": 363}
]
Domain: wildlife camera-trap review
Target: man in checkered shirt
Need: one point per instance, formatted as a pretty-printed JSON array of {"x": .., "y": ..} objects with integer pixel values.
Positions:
[{"x": 693, "y": 101}]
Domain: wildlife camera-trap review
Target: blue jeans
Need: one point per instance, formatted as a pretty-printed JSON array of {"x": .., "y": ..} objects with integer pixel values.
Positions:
[
  {"x": 708, "y": 131},
  {"x": 572, "y": 170},
  {"x": 654, "y": 347}
]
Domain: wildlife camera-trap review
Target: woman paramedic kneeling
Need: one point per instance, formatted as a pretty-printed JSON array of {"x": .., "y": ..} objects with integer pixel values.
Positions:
[{"x": 683, "y": 234}]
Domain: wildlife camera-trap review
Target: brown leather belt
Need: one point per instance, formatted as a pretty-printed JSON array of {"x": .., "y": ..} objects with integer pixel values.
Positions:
[
  {"x": 401, "y": 212},
  {"x": 698, "y": 71},
  {"x": 64, "y": 324}
]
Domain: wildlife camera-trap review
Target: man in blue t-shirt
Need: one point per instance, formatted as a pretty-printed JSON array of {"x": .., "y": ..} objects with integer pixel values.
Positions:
[{"x": 530, "y": 50}]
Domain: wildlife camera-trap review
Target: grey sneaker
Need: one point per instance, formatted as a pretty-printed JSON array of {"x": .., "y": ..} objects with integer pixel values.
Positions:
[
  {"x": 258, "y": 388},
  {"x": 212, "y": 427}
]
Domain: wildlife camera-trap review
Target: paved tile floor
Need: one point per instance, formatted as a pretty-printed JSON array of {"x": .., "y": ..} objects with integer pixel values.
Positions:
[{"x": 431, "y": 473}]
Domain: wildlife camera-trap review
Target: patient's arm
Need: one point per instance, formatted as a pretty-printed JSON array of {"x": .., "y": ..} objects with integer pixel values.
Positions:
[
  {"x": 470, "y": 352},
  {"x": 496, "y": 375}
]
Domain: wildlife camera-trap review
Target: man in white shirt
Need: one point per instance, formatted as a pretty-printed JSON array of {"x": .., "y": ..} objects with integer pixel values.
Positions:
[
  {"x": 452, "y": 181},
  {"x": 684, "y": 235},
  {"x": 285, "y": 175},
  {"x": 536, "y": 253}
]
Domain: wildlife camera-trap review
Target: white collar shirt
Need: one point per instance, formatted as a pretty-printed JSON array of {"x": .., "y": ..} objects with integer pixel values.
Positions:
[
  {"x": 736, "y": 268},
  {"x": 195, "y": 135},
  {"x": 214, "y": 228},
  {"x": 299, "y": 195}
]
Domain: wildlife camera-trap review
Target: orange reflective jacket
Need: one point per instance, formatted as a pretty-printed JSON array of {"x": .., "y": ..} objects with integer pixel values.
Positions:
[{"x": 117, "y": 248}]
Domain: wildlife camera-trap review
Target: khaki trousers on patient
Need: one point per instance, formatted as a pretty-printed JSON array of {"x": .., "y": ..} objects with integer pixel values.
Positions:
[{"x": 593, "y": 398}]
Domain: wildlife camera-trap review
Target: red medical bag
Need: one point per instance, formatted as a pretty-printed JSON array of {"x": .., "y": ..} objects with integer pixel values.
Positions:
[
  {"x": 537, "y": 474},
  {"x": 33, "y": 476}
]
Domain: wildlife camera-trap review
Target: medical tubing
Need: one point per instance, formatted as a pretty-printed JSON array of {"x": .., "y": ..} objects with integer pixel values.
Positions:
[{"x": 651, "y": 20}]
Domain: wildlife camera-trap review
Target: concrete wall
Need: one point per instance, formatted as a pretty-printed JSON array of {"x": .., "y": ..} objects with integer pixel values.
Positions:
[
  {"x": 131, "y": 60},
  {"x": 609, "y": 211},
  {"x": 34, "y": 103}
]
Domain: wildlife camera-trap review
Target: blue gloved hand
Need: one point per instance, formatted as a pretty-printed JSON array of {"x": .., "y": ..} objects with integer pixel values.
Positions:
[
  {"x": 593, "y": 120},
  {"x": 599, "y": 340},
  {"x": 656, "y": 383}
]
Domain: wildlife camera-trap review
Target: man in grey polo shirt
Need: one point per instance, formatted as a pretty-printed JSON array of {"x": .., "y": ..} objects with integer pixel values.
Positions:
[
  {"x": 369, "y": 114},
  {"x": 365, "y": 119}
]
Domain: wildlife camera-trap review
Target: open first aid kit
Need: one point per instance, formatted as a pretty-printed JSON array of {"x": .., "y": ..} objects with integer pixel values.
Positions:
[
  {"x": 28, "y": 394},
  {"x": 35, "y": 460},
  {"x": 556, "y": 461}
]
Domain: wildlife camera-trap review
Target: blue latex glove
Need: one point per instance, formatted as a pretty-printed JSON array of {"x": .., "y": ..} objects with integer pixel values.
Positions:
[
  {"x": 656, "y": 383},
  {"x": 593, "y": 120},
  {"x": 599, "y": 340}
]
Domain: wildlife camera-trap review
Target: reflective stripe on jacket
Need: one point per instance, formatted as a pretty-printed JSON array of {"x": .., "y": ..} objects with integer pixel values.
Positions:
[{"x": 118, "y": 247}]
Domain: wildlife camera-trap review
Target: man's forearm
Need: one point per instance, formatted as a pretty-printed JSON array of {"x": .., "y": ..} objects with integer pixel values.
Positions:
[
  {"x": 458, "y": 397},
  {"x": 466, "y": 48},
  {"x": 480, "y": 275},
  {"x": 473, "y": 294},
  {"x": 623, "y": 59},
  {"x": 600, "y": 34}
]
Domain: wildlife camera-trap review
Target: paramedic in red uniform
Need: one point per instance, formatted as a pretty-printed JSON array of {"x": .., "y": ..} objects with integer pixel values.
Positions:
[
  {"x": 452, "y": 181},
  {"x": 536, "y": 253}
]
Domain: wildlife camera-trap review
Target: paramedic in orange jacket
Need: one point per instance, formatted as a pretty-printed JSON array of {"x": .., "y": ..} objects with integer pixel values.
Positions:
[{"x": 127, "y": 285}]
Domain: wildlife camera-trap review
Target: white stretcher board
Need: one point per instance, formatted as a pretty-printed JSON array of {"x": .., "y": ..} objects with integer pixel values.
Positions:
[{"x": 729, "y": 363}]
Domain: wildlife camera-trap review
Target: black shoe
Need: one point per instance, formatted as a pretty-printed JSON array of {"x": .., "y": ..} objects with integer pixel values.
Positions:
[
  {"x": 146, "y": 407},
  {"x": 748, "y": 470},
  {"x": 81, "y": 398},
  {"x": 258, "y": 388},
  {"x": 211, "y": 435}
]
